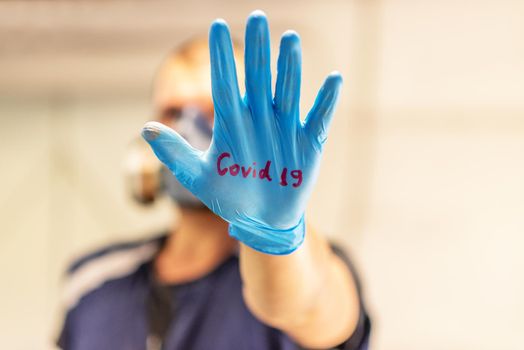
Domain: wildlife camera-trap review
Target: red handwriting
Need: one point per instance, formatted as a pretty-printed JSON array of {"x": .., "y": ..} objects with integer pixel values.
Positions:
[{"x": 263, "y": 174}]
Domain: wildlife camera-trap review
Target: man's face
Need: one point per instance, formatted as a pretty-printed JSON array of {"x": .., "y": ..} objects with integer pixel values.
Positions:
[
  {"x": 182, "y": 91},
  {"x": 182, "y": 100},
  {"x": 182, "y": 85}
]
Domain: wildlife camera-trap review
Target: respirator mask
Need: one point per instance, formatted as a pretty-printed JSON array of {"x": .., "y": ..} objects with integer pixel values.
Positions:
[{"x": 147, "y": 177}]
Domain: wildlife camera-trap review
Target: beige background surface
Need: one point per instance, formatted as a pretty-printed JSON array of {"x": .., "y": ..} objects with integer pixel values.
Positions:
[{"x": 422, "y": 178}]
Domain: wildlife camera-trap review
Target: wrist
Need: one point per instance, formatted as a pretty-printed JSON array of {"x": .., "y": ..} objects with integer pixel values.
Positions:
[{"x": 269, "y": 240}]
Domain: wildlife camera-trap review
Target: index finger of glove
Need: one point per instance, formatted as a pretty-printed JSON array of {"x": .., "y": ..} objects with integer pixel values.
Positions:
[{"x": 224, "y": 83}]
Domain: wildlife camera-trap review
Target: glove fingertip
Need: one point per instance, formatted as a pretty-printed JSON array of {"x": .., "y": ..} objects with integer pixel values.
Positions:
[
  {"x": 334, "y": 79},
  {"x": 151, "y": 131},
  {"x": 257, "y": 15},
  {"x": 219, "y": 31},
  {"x": 219, "y": 23},
  {"x": 290, "y": 37}
]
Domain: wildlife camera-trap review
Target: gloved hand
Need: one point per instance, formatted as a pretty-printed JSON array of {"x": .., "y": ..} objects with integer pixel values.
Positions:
[{"x": 260, "y": 168}]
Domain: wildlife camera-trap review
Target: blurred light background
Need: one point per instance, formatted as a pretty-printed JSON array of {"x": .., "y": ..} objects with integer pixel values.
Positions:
[{"x": 422, "y": 180}]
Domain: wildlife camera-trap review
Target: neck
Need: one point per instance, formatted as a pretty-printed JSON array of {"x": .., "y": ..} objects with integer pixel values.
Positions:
[{"x": 198, "y": 243}]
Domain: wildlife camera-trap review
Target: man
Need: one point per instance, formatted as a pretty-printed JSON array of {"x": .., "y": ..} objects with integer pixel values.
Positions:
[{"x": 249, "y": 165}]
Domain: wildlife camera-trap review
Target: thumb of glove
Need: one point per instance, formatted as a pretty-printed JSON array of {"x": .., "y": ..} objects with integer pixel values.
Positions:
[{"x": 174, "y": 151}]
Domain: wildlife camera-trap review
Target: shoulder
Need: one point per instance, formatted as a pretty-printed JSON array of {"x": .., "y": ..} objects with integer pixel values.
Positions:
[{"x": 90, "y": 271}]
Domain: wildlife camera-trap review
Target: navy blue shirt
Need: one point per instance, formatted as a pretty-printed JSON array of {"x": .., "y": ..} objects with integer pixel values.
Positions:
[{"x": 115, "y": 303}]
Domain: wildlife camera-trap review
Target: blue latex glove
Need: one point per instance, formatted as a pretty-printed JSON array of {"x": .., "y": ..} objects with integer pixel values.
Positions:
[{"x": 262, "y": 164}]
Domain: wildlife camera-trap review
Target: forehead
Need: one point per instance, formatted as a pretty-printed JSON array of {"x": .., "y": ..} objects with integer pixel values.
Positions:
[
  {"x": 185, "y": 77},
  {"x": 181, "y": 81}
]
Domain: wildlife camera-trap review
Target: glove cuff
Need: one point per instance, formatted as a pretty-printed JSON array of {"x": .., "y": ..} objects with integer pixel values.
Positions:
[{"x": 270, "y": 241}]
